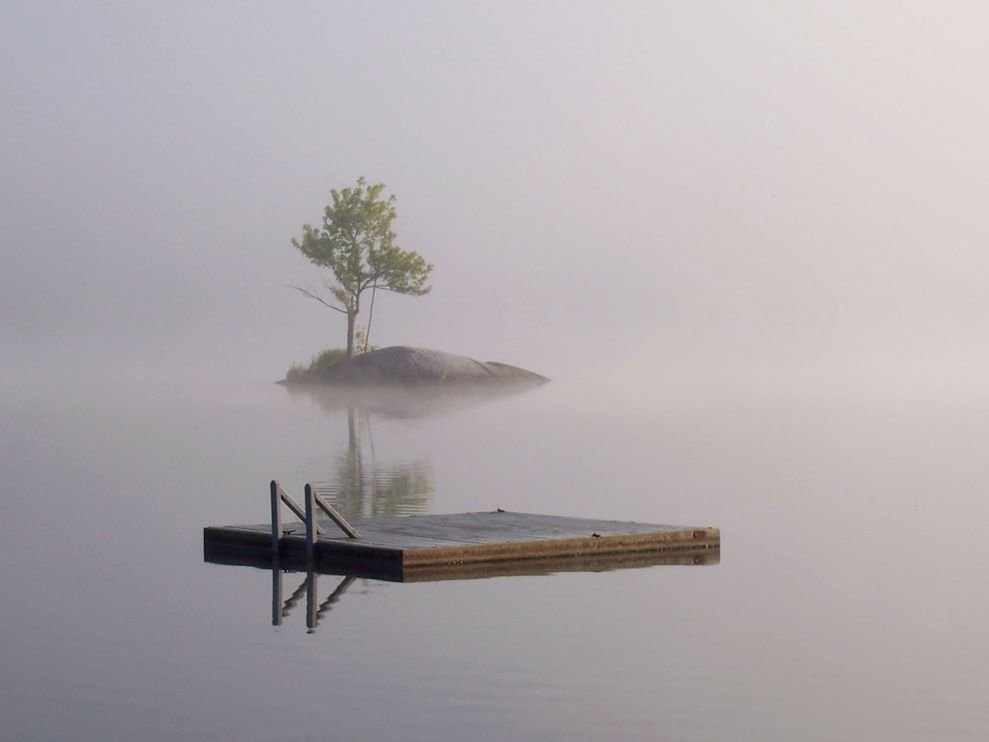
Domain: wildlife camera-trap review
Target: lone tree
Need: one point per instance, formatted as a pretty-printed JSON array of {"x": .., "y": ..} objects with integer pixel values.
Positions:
[{"x": 357, "y": 244}]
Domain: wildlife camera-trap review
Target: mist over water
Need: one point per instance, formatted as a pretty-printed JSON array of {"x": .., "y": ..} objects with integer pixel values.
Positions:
[
  {"x": 761, "y": 188},
  {"x": 745, "y": 241}
]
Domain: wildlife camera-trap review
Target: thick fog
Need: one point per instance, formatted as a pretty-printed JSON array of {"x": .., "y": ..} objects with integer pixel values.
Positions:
[{"x": 786, "y": 195}]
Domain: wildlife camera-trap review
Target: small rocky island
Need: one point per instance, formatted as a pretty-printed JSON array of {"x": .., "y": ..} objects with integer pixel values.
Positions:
[{"x": 400, "y": 365}]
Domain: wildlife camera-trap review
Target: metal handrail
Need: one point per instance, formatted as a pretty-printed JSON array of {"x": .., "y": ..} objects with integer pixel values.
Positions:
[
  {"x": 307, "y": 516},
  {"x": 331, "y": 512}
]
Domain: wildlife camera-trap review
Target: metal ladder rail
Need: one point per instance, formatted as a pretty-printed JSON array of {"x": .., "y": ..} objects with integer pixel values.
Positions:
[{"x": 307, "y": 516}]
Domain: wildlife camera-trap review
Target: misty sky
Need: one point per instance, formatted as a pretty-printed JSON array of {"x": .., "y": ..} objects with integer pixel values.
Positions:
[{"x": 767, "y": 186}]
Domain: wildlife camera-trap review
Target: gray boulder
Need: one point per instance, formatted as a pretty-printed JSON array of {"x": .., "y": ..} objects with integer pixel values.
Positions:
[{"x": 403, "y": 365}]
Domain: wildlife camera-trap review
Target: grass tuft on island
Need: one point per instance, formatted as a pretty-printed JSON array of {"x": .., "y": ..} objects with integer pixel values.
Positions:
[
  {"x": 403, "y": 365},
  {"x": 317, "y": 368}
]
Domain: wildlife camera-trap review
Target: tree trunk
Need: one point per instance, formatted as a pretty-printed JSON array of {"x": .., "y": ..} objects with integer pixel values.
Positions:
[
  {"x": 370, "y": 317},
  {"x": 351, "y": 320}
]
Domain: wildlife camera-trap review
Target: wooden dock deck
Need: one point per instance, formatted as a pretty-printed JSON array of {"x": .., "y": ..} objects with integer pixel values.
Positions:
[{"x": 466, "y": 544}]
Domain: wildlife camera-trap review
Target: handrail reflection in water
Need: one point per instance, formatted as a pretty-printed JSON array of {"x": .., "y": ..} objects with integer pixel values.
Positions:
[{"x": 316, "y": 610}]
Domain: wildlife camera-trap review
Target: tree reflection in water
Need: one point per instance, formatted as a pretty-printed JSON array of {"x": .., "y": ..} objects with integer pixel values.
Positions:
[{"x": 362, "y": 486}]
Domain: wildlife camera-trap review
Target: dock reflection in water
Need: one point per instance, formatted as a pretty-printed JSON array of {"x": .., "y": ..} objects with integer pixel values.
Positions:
[{"x": 317, "y": 609}]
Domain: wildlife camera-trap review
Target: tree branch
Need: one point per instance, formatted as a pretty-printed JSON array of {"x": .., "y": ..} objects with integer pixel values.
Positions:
[
  {"x": 369, "y": 283},
  {"x": 317, "y": 297}
]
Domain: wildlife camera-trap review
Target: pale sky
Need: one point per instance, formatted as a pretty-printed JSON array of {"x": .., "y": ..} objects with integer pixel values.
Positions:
[{"x": 768, "y": 186}]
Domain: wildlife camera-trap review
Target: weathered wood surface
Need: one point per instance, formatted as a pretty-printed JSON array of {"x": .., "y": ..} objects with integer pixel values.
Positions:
[{"x": 434, "y": 542}]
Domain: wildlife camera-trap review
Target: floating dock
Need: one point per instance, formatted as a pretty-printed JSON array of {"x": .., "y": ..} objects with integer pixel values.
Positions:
[{"x": 432, "y": 546}]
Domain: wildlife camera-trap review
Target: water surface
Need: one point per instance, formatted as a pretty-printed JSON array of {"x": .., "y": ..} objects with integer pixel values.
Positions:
[{"x": 847, "y": 604}]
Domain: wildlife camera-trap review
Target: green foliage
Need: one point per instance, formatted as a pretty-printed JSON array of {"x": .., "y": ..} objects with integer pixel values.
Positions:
[
  {"x": 357, "y": 245},
  {"x": 327, "y": 358},
  {"x": 322, "y": 361},
  {"x": 361, "y": 343}
]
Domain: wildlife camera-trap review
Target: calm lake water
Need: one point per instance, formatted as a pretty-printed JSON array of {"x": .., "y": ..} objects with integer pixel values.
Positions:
[{"x": 849, "y": 601}]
